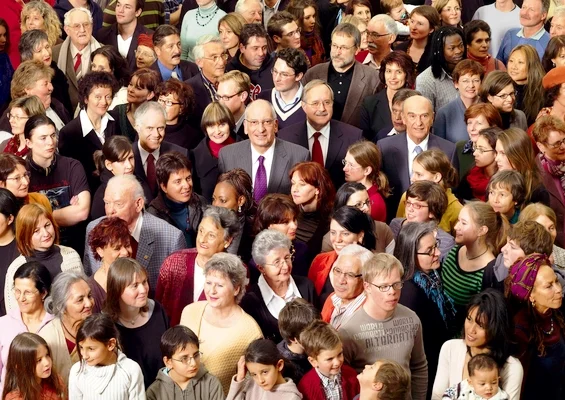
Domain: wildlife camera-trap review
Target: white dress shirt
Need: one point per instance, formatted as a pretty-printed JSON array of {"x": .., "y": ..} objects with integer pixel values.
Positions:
[
  {"x": 84, "y": 58},
  {"x": 144, "y": 154},
  {"x": 267, "y": 162},
  {"x": 412, "y": 152},
  {"x": 324, "y": 138},
  {"x": 136, "y": 233},
  {"x": 87, "y": 126},
  {"x": 273, "y": 301}
]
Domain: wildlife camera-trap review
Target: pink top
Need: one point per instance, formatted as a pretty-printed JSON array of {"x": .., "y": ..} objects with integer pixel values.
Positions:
[{"x": 378, "y": 206}]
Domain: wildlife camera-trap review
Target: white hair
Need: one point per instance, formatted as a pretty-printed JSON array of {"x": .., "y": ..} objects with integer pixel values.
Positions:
[
  {"x": 559, "y": 12},
  {"x": 67, "y": 21},
  {"x": 127, "y": 181},
  {"x": 240, "y": 5},
  {"x": 198, "y": 50},
  {"x": 387, "y": 21},
  {"x": 143, "y": 109},
  {"x": 355, "y": 250}
]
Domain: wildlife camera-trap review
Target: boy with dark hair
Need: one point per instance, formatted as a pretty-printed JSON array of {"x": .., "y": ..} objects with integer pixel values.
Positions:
[{"x": 183, "y": 377}]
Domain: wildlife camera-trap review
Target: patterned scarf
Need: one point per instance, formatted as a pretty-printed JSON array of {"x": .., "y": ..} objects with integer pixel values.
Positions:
[
  {"x": 468, "y": 148},
  {"x": 432, "y": 286},
  {"x": 556, "y": 169},
  {"x": 313, "y": 47}
]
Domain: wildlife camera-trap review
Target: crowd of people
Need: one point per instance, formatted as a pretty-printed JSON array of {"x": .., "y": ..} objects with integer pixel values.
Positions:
[{"x": 282, "y": 199}]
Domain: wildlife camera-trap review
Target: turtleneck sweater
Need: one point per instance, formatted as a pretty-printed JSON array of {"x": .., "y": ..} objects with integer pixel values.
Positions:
[{"x": 197, "y": 22}]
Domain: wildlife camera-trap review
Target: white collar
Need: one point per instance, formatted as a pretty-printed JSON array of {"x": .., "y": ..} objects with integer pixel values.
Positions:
[
  {"x": 325, "y": 131},
  {"x": 267, "y": 154},
  {"x": 268, "y": 294},
  {"x": 136, "y": 233},
  {"x": 295, "y": 100},
  {"x": 143, "y": 154},
  {"x": 370, "y": 61},
  {"x": 411, "y": 145},
  {"x": 87, "y": 126},
  {"x": 275, "y": 7}
]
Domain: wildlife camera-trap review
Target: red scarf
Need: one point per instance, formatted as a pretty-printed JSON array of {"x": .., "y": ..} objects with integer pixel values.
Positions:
[
  {"x": 13, "y": 145},
  {"x": 478, "y": 182},
  {"x": 215, "y": 147}
]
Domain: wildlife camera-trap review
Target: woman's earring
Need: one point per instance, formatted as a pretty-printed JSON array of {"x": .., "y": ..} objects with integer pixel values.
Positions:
[
  {"x": 533, "y": 303},
  {"x": 553, "y": 64},
  {"x": 239, "y": 208}
]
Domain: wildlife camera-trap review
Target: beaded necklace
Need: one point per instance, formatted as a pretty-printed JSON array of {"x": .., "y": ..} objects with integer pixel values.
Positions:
[{"x": 205, "y": 17}]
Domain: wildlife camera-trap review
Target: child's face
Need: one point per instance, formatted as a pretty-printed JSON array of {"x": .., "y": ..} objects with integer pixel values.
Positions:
[
  {"x": 511, "y": 252},
  {"x": 266, "y": 376},
  {"x": 398, "y": 13},
  {"x": 367, "y": 377},
  {"x": 95, "y": 352},
  {"x": 485, "y": 382},
  {"x": 44, "y": 363},
  {"x": 185, "y": 362},
  {"x": 328, "y": 362},
  {"x": 501, "y": 200}
]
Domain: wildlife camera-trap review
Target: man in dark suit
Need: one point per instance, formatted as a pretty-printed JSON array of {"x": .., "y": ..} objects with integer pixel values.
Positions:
[
  {"x": 152, "y": 239},
  {"x": 124, "y": 33},
  {"x": 150, "y": 123},
  {"x": 350, "y": 80},
  {"x": 166, "y": 41},
  {"x": 326, "y": 138},
  {"x": 398, "y": 151},
  {"x": 265, "y": 158}
]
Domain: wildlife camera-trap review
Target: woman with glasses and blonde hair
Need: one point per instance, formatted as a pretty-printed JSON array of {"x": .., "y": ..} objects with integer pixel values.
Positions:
[{"x": 272, "y": 253}]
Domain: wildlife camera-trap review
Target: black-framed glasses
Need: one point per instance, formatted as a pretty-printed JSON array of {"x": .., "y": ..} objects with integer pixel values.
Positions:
[
  {"x": 293, "y": 33},
  {"x": 350, "y": 276},
  {"x": 187, "y": 360},
  {"x": 504, "y": 96},
  {"x": 168, "y": 103},
  {"x": 386, "y": 288},
  {"x": 227, "y": 97},
  {"x": 557, "y": 144},
  {"x": 366, "y": 203},
  {"x": 431, "y": 252}
]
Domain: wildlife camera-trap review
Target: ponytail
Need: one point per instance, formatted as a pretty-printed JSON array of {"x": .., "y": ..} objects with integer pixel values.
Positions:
[{"x": 496, "y": 224}]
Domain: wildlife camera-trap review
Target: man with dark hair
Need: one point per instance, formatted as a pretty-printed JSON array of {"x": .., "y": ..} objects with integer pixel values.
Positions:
[
  {"x": 253, "y": 58},
  {"x": 350, "y": 80},
  {"x": 166, "y": 41},
  {"x": 152, "y": 16},
  {"x": 284, "y": 31},
  {"x": 288, "y": 70},
  {"x": 124, "y": 32}
]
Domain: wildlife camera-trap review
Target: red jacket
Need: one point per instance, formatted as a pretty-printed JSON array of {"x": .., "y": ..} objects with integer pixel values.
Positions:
[
  {"x": 311, "y": 386},
  {"x": 11, "y": 10},
  {"x": 320, "y": 269}
]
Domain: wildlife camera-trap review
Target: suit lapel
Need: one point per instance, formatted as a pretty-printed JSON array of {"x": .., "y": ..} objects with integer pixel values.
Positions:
[
  {"x": 334, "y": 145},
  {"x": 139, "y": 172},
  {"x": 70, "y": 69},
  {"x": 302, "y": 136},
  {"x": 279, "y": 167},
  {"x": 403, "y": 170},
  {"x": 354, "y": 96}
]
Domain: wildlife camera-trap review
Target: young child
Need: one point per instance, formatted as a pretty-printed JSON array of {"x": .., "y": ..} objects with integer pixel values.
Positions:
[
  {"x": 323, "y": 346},
  {"x": 385, "y": 379},
  {"x": 265, "y": 365},
  {"x": 29, "y": 371},
  {"x": 506, "y": 192},
  {"x": 481, "y": 384},
  {"x": 183, "y": 376},
  {"x": 399, "y": 12},
  {"x": 296, "y": 316},
  {"x": 103, "y": 371}
]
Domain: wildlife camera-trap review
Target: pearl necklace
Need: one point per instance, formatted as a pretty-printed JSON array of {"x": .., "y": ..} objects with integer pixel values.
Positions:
[{"x": 208, "y": 17}]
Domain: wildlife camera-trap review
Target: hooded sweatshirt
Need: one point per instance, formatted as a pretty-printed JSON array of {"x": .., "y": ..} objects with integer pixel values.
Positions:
[
  {"x": 204, "y": 386},
  {"x": 261, "y": 79},
  {"x": 249, "y": 390}
]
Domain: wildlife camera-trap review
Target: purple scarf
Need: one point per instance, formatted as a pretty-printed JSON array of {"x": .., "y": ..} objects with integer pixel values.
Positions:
[{"x": 554, "y": 168}]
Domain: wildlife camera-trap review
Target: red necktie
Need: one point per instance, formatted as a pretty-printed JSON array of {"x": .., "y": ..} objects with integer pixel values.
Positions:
[
  {"x": 151, "y": 176},
  {"x": 317, "y": 155},
  {"x": 77, "y": 67}
]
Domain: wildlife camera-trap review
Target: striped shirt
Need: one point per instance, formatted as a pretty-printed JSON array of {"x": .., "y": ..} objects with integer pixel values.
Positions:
[
  {"x": 342, "y": 312},
  {"x": 332, "y": 386},
  {"x": 151, "y": 17},
  {"x": 460, "y": 285}
]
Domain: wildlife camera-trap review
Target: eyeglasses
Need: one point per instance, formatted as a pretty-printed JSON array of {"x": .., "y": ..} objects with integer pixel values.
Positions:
[
  {"x": 293, "y": 33},
  {"x": 341, "y": 48},
  {"x": 282, "y": 74},
  {"x": 432, "y": 250},
  {"x": 187, "y": 360},
  {"x": 18, "y": 179},
  {"x": 347, "y": 164},
  {"x": 350, "y": 276},
  {"x": 386, "y": 288},
  {"x": 415, "y": 206},
  {"x": 366, "y": 203},
  {"x": 16, "y": 117},
  {"x": 281, "y": 263},
  {"x": 557, "y": 144},
  {"x": 215, "y": 59},
  {"x": 84, "y": 25},
  {"x": 481, "y": 150},
  {"x": 226, "y": 97},
  {"x": 371, "y": 34},
  {"x": 26, "y": 294},
  {"x": 317, "y": 103},
  {"x": 255, "y": 123},
  {"x": 504, "y": 96},
  {"x": 167, "y": 103}
]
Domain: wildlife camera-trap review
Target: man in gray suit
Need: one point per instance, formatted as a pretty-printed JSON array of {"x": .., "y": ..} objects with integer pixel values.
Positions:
[
  {"x": 152, "y": 239},
  {"x": 276, "y": 156},
  {"x": 398, "y": 151}
]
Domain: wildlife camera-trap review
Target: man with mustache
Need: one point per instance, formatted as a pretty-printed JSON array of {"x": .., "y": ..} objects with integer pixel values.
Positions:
[
  {"x": 325, "y": 138},
  {"x": 166, "y": 41},
  {"x": 381, "y": 34},
  {"x": 349, "y": 80}
]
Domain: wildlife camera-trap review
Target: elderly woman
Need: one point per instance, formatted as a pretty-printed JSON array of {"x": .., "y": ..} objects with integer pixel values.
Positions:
[
  {"x": 108, "y": 241},
  {"x": 141, "y": 321},
  {"x": 554, "y": 55},
  {"x": 181, "y": 277},
  {"x": 306, "y": 14},
  {"x": 70, "y": 302},
  {"x": 203, "y": 20},
  {"x": 449, "y": 122},
  {"x": 31, "y": 286},
  {"x": 37, "y": 240},
  {"x": 176, "y": 202},
  {"x": 217, "y": 124},
  {"x": 145, "y": 55},
  {"x": 534, "y": 289},
  {"x": 234, "y": 191},
  {"x": 417, "y": 248},
  {"x": 265, "y": 299},
  {"x": 227, "y": 328},
  {"x": 498, "y": 90},
  {"x": 397, "y": 71},
  {"x": 108, "y": 59},
  {"x": 35, "y": 45},
  {"x": 229, "y": 28},
  {"x": 40, "y": 15},
  {"x": 486, "y": 330},
  {"x": 9, "y": 208},
  {"x": 85, "y": 134},
  {"x": 15, "y": 178},
  {"x": 20, "y": 110},
  {"x": 345, "y": 278},
  {"x": 478, "y": 38},
  {"x": 178, "y": 100}
]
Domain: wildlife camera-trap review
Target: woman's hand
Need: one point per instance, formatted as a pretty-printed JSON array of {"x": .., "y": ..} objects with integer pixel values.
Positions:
[{"x": 241, "y": 371}]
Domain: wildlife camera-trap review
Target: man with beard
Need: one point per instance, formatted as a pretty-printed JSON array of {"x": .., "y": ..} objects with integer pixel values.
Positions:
[
  {"x": 381, "y": 34},
  {"x": 350, "y": 80},
  {"x": 166, "y": 40}
]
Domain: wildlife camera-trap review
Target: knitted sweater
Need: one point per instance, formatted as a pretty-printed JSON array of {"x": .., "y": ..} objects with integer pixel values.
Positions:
[
  {"x": 204, "y": 386},
  {"x": 197, "y": 22},
  {"x": 311, "y": 385},
  {"x": 249, "y": 390},
  {"x": 120, "y": 381}
]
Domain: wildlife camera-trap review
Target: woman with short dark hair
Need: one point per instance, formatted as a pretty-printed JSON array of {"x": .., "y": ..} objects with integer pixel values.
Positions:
[
  {"x": 478, "y": 38},
  {"x": 498, "y": 89},
  {"x": 107, "y": 59}
]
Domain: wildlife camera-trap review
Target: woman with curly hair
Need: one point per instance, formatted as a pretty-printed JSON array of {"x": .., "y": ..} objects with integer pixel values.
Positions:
[
  {"x": 306, "y": 14},
  {"x": 40, "y": 15},
  {"x": 107, "y": 59}
]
